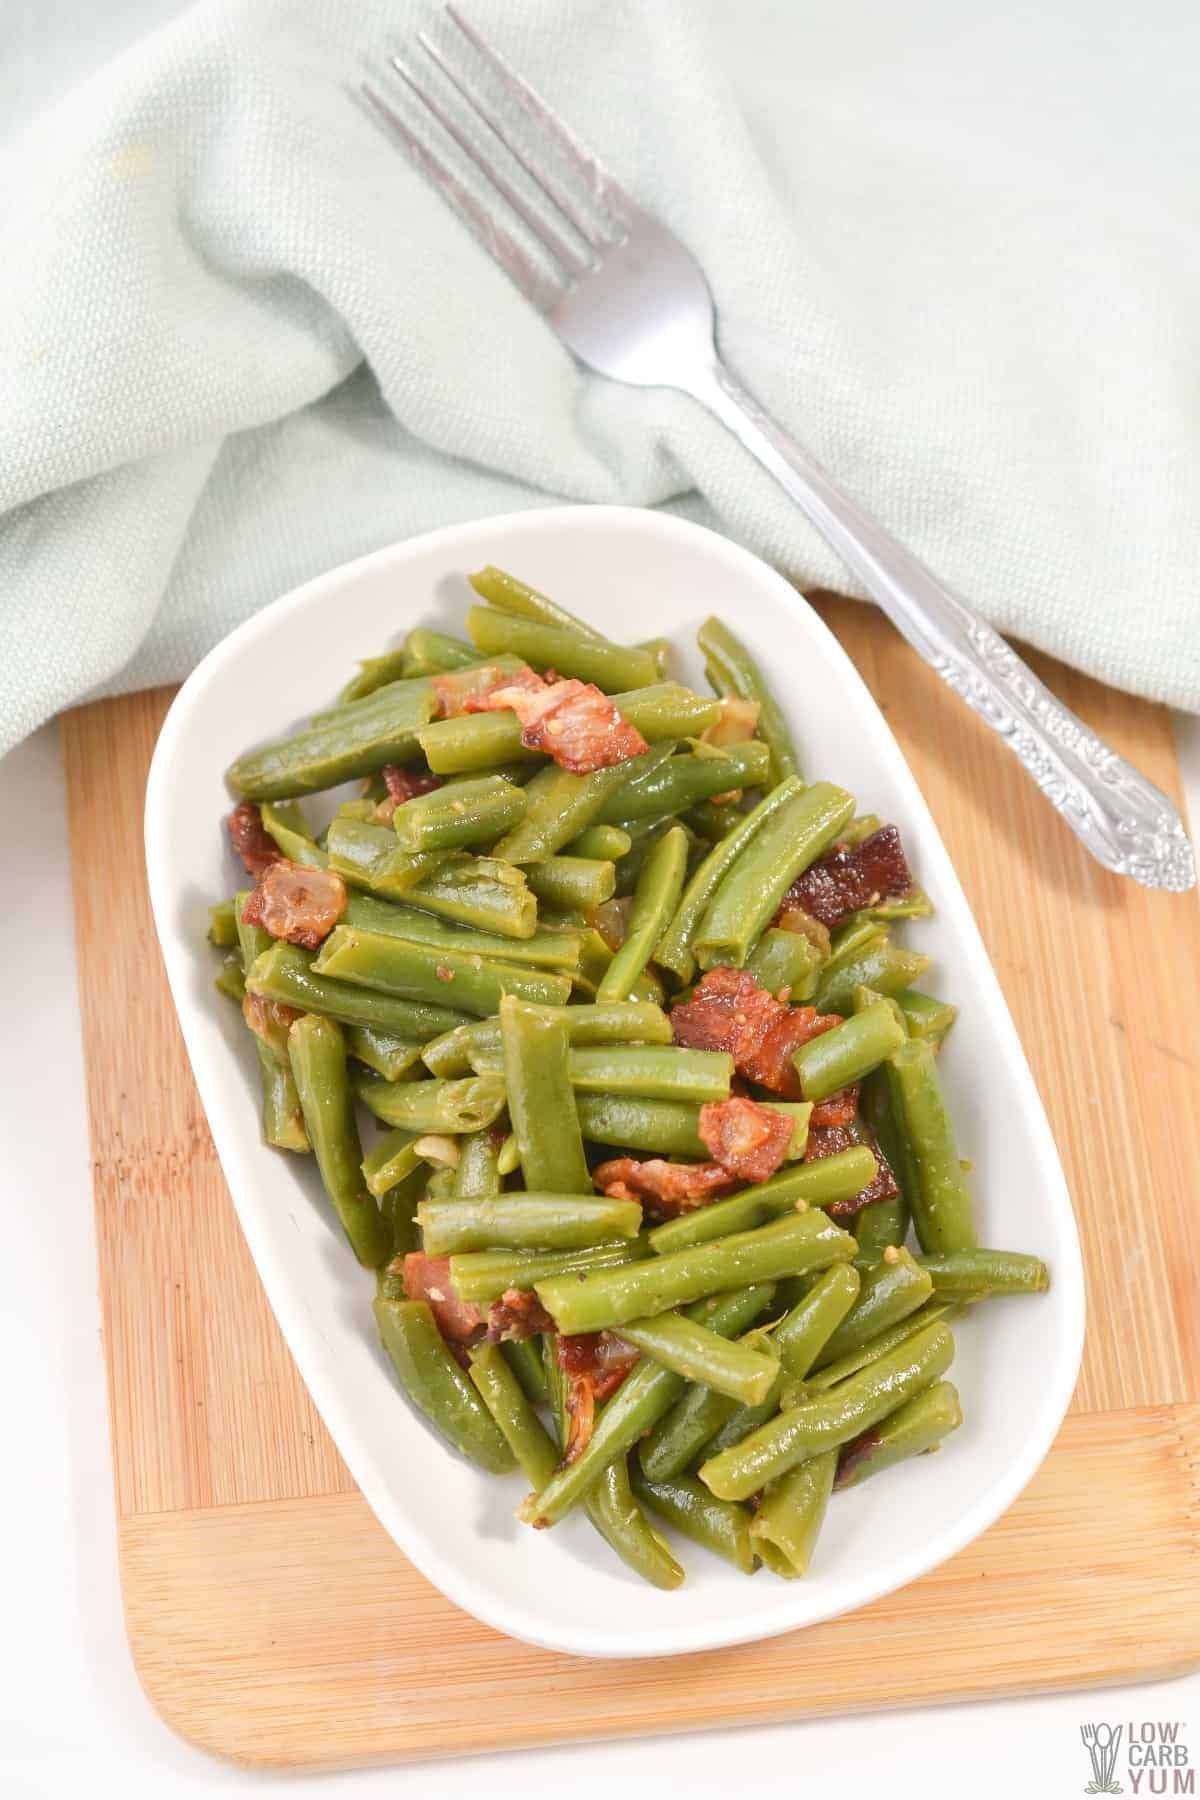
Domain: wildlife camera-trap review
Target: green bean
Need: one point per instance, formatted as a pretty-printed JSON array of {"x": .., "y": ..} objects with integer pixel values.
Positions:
[
  {"x": 518, "y": 1424},
  {"x": 367, "y": 855},
  {"x": 790, "y": 1515},
  {"x": 880, "y": 965},
  {"x": 831, "y": 1374},
  {"x": 785, "y": 959},
  {"x": 711, "y": 820},
  {"x": 698, "y": 1354},
  {"x": 509, "y": 1159},
  {"x": 891, "y": 1291},
  {"x": 681, "y": 781},
  {"x": 611, "y": 666},
  {"x": 361, "y": 738},
  {"x": 283, "y": 1124},
  {"x": 483, "y": 1275},
  {"x": 601, "y": 843},
  {"x": 751, "y": 890},
  {"x": 318, "y": 1057},
  {"x": 475, "y": 741},
  {"x": 541, "y": 1103},
  {"x": 434, "y": 1106},
  {"x": 612, "y": 1508},
  {"x": 884, "y": 1222},
  {"x": 576, "y": 883},
  {"x": 526, "y": 1221},
  {"x": 390, "y": 1056},
  {"x": 740, "y": 1424},
  {"x": 804, "y": 1333},
  {"x": 674, "y": 949},
  {"x": 436, "y": 1384},
  {"x": 479, "y": 891},
  {"x": 716, "y": 1525},
  {"x": 864, "y": 826},
  {"x": 524, "y": 1358},
  {"x": 222, "y": 924},
  {"x": 820, "y": 1183},
  {"x": 941, "y": 1203},
  {"x": 475, "y": 1174},
  {"x": 606, "y": 1298},
  {"x": 425, "y": 972},
  {"x": 682, "y": 1433},
  {"x": 974, "y": 1274},
  {"x": 655, "y": 899},
  {"x": 230, "y": 978},
  {"x": 849, "y": 1051},
  {"x": 653, "y": 1071},
  {"x": 732, "y": 670},
  {"x": 390, "y": 1161},
  {"x": 285, "y": 973},
  {"x": 544, "y": 949},
  {"x": 912, "y": 1430},
  {"x": 435, "y": 653},
  {"x": 284, "y": 823},
  {"x": 398, "y": 1205},
  {"x": 561, "y": 805},
  {"x": 640, "y": 1401},
  {"x": 469, "y": 812},
  {"x": 852, "y": 935},
  {"x": 827, "y": 1421},
  {"x": 663, "y": 1127},
  {"x": 628, "y": 1023},
  {"x": 513, "y": 596},
  {"x": 374, "y": 672},
  {"x": 925, "y": 1016}
]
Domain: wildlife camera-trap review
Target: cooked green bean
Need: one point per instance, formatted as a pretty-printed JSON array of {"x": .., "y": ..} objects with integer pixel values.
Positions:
[
  {"x": 830, "y": 1374},
  {"x": 651, "y": 1071},
  {"x": 829, "y": 1420},
  {"x": 974, "y": 1274},
  {"x": 716, "y": 1525},
  {"x": 925, "y": 1016},
  {"x": 513, "y": 596},
  {"x": 398, "y": 1205},
  {"x": 600, "y": 843},
  {"x": 633, "y": 1022},
  {"x": 558, "y": 950},
  {"x": 712, "y": 820},
  {"x": 434, "y": 653},
  {"x": 612, "y": 1508},
  {"x": 611, "y": 666},
  {"x": 483, "y": 1275},
  {"x": 884, "y": 1222},
  {"x": 655, "y": 899},
  {"x": 359, "y": 739},
  {"x": 449, "y": 818},
  {"x": 285, "y": 973},
  {"x": 732, "y": 670},
  {"x": 526, "y": 1221},
  {"x": 891, "y": 1291},
  {"x": 433, "y": 1106},
  {"x": 790, "y": 1515},
  {"x": 681, "y": 781},
  {"x": 751, "y": 890},
  {"x": 474, "y": 741},
  {"x": 479, "y": 891},
  {"x": 222, "y": 925},
  {"x": 524, "y": 1358},
  {"x": 821, "y": 1183},
  {"x": 726, "y": 1366},
  {"x": 880, "y": 965},
  {"x": 283, "y": 1124},
  {"x": 389, "y": 1056},
  {"x": 391, "y": 1160},
  {"x": 436, "y": 1384},
  {"x": 374, "y": 672},
  {"x": 476, "y": 1175},
  {"x": 518, "y": 1424},
  {"x": 913, "y": 1429},
  {"x": 682, "y": 1433},
  {"x": 561, "y": 805},
  {"x": 940, "y": 1200},
  {"x": 605, "y": 1298},
  {"x": 805, "y": 1332},
  {"x": 575, "y": 883},
  {"x": 541, "y": 1102},
  {"x": 428, "y": 973},
  {"x": 230, "y": 978},
  {"x": 785, "y": 960},
  {"x": 663, "y": 1127},
  {"x": 864, "y": 826},
  {"x": 367, "y": 855},
  {"x": 284, "y": 823},
  {"x": 846, "y": 1053},
  {"x": 318, "y": 1056}
]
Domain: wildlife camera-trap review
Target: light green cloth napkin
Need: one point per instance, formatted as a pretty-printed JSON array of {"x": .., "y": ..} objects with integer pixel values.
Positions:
[{"x": 955, "y": 249}]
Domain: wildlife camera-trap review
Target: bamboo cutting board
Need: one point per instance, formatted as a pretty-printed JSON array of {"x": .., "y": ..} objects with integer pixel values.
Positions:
[{"x": 269, "y": 1616}]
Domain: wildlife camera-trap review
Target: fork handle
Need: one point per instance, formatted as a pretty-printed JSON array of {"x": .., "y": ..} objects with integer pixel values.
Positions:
[{"x": 1127, "y": 823}]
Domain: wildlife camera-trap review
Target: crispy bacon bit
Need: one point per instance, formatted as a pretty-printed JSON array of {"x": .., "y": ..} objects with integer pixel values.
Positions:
[
  {"x": 595, "y": 1364},
  {"x": 251, "y": 840},
  {"x": 859, "y": 1449},
  {"x": 299, "y": 904},
  {"x": 730, "y": 1011},
  {"x": 838, "y": 1109},
  {"x": 830, "y": 1140},
  {"x": 745, "y": 1137},
  {"x": 428, "y": 1278},
  {"x": 483, "y": 698},
  {"x": 402, "y": 785},
  {"x": 466, "y": 690},
  {"x": 268, "y": 1019},
  {"x": 571, "y": 721},
  {"x": 853, "y": 876},
  {"x": 665, "y": 1188},
  {"x": 518, "y": 1313}
]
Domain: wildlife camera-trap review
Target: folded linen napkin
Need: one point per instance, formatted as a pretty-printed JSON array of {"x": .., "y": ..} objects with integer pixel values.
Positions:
[{"x": 241, "y": 341}]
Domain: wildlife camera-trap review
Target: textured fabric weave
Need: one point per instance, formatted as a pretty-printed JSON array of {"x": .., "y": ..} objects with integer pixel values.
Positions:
[{"x": 954, "y": 248}]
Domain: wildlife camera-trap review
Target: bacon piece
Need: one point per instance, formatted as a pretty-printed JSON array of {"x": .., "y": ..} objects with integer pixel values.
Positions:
[
  {"x": 466, "y": 690},
  {"x": 852, "y": 876},
  {"x": 595, "y": 1364},
  {"x": 571, "y": 721},
  {"x": 269, "y": 1019},
  {"x": 518, "y": 1313},
  {"x": 665, "y": 1188},
  {"x": 745, "y": 1137},
  {"x": 830, "y": 1140},
  {"x": 428, "y": 1278},
  {"x": 838, "y": 1109},
  {"x": 730, "y": 1011},
  {"x": 482, "y": 698},
  {"x": 250, "y": 838},
  {"x": 402, "y": 785},
  {"x": 297, "y": 903}
]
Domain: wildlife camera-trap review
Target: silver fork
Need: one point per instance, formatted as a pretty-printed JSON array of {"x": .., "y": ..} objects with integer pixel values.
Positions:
[{"x": 631, "y": 302}]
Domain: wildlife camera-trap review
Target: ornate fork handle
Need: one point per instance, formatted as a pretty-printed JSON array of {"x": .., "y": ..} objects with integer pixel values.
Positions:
[{"x": 1125, "y": 821}]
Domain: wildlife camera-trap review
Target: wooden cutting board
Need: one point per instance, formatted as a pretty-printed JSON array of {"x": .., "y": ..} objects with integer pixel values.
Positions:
[{"x": 271, "y": 1619}]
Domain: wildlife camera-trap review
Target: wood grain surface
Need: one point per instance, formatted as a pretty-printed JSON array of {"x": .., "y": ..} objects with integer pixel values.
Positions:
[{"x": 268, "y": 1613}]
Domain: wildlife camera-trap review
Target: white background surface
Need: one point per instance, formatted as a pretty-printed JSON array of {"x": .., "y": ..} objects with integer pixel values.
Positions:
[{"x": 72, "y": 1718}]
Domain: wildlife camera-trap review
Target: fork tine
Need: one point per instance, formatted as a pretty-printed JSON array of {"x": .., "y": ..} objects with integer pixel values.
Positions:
[
  {"x": 553, "y": 190},
  {"x": 503, "y": 248},
  {"x": 605, "y": 189},
  {"x": 547, "y": 237}
]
